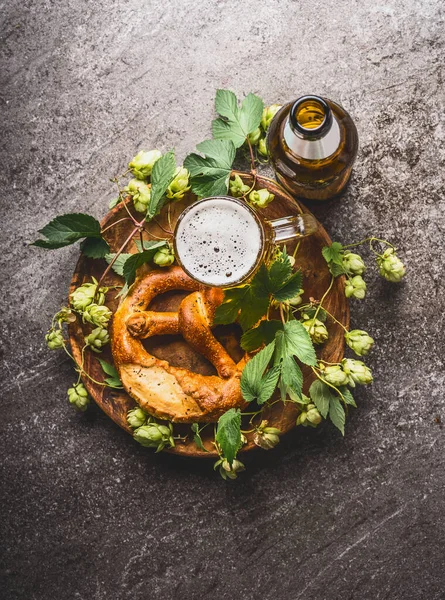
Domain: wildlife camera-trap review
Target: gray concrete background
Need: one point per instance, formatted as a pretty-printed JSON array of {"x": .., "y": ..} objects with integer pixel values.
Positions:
[{"x": 86, "y": 513}]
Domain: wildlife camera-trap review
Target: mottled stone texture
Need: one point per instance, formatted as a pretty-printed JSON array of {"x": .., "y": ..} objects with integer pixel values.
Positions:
[{"x": 85, "y": 512}]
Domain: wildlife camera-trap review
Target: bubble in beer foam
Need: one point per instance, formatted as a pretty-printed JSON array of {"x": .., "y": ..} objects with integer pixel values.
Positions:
[{"x": 218, "y": 241}]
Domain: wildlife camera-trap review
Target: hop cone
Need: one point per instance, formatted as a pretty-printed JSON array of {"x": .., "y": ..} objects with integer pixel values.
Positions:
[
  {"x": 180, "y": 184},
  {"x": 353, "y": 264},
  {"x": 357, "y": 371},
  {"x": 359, "y": 341},
  {"x": 136, "y": 417},
  {"x": 142, "y": 164},
  {"x": 78, "y": 397},
  {"x": 261, "y": 198},
  {"x": 355, "y": 287},
  {"x": 391, "y": 267},
  {"x": 268, "y": 114},
  {"x": 164, "y": 257},
  {"x": 84, "y": 295},
  {"x": 335, "y": 375},
  {"x": 97, "y": 315},
  {"x": 317, "y": 330},
  {"x": 54, "y": 339},
  {"x": 140, "y": 193},
  {"x": 97, "y": 339},
  {"x": 237, "y": 187},
  {"x": 154, "y": 435}
]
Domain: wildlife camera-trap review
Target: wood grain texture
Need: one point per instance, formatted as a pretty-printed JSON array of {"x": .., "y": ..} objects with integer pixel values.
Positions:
[{"x": 316, "y": 279}]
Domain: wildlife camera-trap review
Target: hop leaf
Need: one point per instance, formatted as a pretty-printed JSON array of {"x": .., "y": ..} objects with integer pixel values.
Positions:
[{"x": 236, "y": 122}]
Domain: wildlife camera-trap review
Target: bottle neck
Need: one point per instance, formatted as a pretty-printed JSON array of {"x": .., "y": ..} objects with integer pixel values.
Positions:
[{"x": 311, "y": 130}]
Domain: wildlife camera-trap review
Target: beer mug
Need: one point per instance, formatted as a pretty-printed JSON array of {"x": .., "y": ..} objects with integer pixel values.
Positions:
[{"x": 222, "y": 241}]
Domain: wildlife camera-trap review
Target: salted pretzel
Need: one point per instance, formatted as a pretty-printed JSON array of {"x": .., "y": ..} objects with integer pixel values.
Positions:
[{"x": 162, "y": 390}]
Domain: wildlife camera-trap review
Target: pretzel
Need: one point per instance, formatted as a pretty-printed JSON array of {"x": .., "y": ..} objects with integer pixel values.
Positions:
[{"x": 162, "y": 390}]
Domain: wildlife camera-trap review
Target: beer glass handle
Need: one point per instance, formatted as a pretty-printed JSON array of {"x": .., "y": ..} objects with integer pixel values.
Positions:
[{"x": 288, "y": 228}]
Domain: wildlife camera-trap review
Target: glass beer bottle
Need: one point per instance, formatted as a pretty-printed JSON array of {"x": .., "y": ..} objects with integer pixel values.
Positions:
[{"x": 312, "y": 144}]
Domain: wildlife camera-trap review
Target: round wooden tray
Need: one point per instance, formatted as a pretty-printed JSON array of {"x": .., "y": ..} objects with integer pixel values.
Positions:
[{"x": 316, "y": 279}]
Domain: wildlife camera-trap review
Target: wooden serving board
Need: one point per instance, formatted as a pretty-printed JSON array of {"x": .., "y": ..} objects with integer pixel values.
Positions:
[{"x": 316, "y": 279}]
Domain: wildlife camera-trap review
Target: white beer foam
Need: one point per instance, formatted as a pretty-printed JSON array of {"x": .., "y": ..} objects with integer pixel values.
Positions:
[{"x": 218, "y": 241}]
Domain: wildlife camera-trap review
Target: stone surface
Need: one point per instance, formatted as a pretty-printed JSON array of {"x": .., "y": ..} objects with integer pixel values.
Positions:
[{"x": 85, "y": 512}]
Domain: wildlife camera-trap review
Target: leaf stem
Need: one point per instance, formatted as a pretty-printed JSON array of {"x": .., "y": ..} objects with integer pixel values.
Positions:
[
  {"x": 118, "y": 253},
  {"x": 324, "y": 297},
  {"x": 115, "y": 223}
]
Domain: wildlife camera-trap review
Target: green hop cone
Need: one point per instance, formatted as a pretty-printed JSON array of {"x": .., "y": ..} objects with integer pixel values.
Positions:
[
  {"x": 136, "y": 417},
  {"x": 268, "y": 114},
  {"x": 65, "y": 315},
  {"x": 390, "y": 266},
  {"x": 97, "y": 315},
  {"x": 317, "y": 330},
  {"x": 237, "y": 187},
  {"x": 78, "y": 397},
  {"x": 154, "y": 435},
  {"x": 54, "y": 339},
  {"x": 353, "y": 264},
  {"x": 355, "y": 287},
  {"x": 266, "y": 437},
  {"x": 97, "y": 339},
  {"x": 180, "y": 184},
  {"x": 297, "y": 299},
  {"x": 229, "y": 471},
  {"x": 255, "y": 136},
  {"x": 262, "y": 147},
  {"x": 359, "y": 341},
  {"x": 164, "y": 257},
  {"x": 335, "y": 375},
  {"x": 309, "y": 416},
  {"x": 140, "y": 193},
  {"x": 85, "y": 295},
  {"x": 142, "y": 164},
  {"x": 357, "y": 372},
  {"x": 261, "y": 198}
]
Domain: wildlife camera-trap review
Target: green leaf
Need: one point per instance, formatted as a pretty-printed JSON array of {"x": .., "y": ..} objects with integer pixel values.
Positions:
[
  {"x": 197, "y": 437},
  {"x": 250, "y": 302},
  {"x": 161, "y": 176},
  {"x": 290, "y": 289},
  {"x": 108, "y": 369},
  {"x": 291, "y": 376},
  {"x": 252, "y": 375},
  {"x": 228, "y": 434},
  {"x": 264, "y": 333},
  {"x": 337, "y": 414},
  {"x": 294, "y": 340},
  {"x": 333, "y": 253},
  {"x": 114, "y": 383},
  {"x": 67, "y": 229},
  {"x": 279, "y": 273},
  {"x": 268, "y": 384},
  {"x": 226, "y": 104},
  {"x": 245, "y": 304},
  {"x": 114, "y": 202},
  {"x": 118, "y": 264},
  {"x": 148, "y": 245},
  {"x": 210, "y": 174},
  {"x": 347, "y": 396},
  {"x": 321, "y": 395},
  {"x": 135, "y": 261},
  {"x": 236, "y": 122},
  {"x": 95, "y": 247}
]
